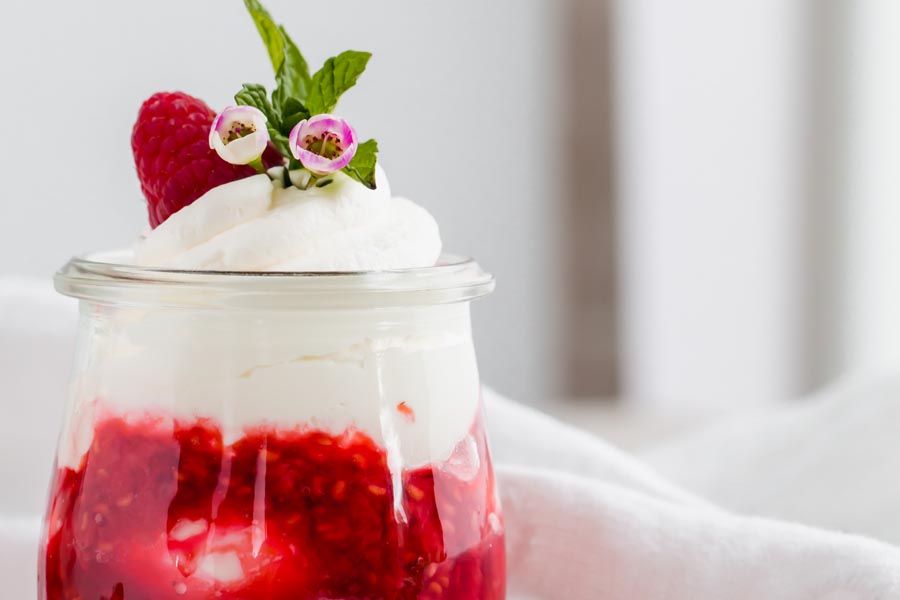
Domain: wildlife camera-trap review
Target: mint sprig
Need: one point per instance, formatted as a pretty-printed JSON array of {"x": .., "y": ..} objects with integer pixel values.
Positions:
[
  {"x": 272, "y": 35},
  {"x": 299, "y": 95},
  {"x": 255, "y": 95},
  {"x": 337, "y": 75},
  {"x": 292, "y": 75},
  {"x": 293, "y": 112}
]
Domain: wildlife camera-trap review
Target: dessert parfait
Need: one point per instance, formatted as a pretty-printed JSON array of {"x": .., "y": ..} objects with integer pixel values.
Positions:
[{"x": 275, "y": 393}]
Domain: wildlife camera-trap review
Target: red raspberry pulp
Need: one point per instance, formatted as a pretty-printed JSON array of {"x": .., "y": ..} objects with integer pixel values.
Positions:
[{"x": 161, "y": 512}]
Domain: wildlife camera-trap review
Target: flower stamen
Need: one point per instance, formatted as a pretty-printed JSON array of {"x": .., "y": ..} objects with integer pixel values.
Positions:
[{"x": 237, "y": 131}]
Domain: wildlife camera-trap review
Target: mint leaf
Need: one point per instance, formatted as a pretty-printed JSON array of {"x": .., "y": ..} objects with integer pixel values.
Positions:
[
  {"x": 338, "y": 75},
  {"x": 292, "y": 74},
  {"x": 362, "y": 167},
  {"x": 255, "y": 95},
  {"x": 281, "y": 142},
  {"x": 268, "y": 31},
  {"x": 292, "y": 112},
  {"x": 291, "y": 70}
]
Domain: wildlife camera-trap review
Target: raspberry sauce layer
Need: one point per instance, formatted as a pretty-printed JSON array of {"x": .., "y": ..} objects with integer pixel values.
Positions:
[{"x": 162, "y": 509}]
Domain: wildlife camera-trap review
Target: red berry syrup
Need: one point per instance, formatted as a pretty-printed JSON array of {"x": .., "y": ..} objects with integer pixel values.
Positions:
[{"x": 158, "y": 512}]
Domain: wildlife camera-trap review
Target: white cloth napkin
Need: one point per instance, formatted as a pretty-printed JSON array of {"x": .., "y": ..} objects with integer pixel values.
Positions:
[
  {"x": 832, "y": 461},
  {"x": 584, "y": 520},
  {"x": 587, "y": 522}
]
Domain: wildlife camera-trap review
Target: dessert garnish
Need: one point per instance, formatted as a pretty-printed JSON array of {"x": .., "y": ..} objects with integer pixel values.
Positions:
[
  {"x": 239, "y": 136},
  {"x": 323, "y": 144},
  {"x": 175, "y": 164},
  {"x": 183, "y": 149},
  {"x": 277, "y": 182}
]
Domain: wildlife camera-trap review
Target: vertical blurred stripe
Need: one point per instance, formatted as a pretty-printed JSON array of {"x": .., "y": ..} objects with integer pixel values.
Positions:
[
  {"x": 591, "y": 343},
  {"x": 827, "y": 92}
]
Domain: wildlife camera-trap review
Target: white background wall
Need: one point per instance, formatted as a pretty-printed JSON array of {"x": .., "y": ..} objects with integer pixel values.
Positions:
[
  {"x": 711, "y": 200},
  {"x": 759, "y": 196},
  {"x": 461, "y": 97}
]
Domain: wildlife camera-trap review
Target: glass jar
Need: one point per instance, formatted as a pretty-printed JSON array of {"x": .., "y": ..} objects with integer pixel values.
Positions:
[{"x": 273, "y": 436}]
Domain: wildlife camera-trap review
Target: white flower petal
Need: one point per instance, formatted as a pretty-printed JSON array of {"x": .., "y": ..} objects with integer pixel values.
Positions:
[{"x": 244, "y": 150}]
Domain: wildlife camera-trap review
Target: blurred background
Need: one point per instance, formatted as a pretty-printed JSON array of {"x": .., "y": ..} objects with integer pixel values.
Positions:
[{"x": 690, "y": 205}]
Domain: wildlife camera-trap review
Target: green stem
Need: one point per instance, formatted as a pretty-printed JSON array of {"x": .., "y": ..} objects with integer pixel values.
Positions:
[
  {"x": 258, "y": 165},
  {"x": 313, "y": 178}
]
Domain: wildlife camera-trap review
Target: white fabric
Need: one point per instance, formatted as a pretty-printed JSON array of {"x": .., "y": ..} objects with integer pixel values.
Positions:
[
  {"x": 584, "y": 520},
  {"x": 832, "y": 461}
]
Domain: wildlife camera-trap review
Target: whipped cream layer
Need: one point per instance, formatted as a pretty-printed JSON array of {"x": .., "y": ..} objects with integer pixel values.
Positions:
[
  {"x": 255, "y": 224},
  {"x": 405, "y": 377}
]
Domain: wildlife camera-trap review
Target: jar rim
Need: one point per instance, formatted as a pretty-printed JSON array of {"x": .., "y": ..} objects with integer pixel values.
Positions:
[{"x": 109, "y": 277}]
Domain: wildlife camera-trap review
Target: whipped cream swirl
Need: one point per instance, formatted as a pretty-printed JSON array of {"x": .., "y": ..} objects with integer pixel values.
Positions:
[{"x": 255, "y": 224}]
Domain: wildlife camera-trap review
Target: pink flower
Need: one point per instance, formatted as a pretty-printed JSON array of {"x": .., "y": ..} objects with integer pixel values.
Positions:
[
  {"x": 323, "y": 143},
  {"x": 239, "y": 135}
]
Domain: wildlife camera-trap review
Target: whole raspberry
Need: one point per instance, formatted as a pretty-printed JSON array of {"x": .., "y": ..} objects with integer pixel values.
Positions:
[{"x": 175, "y": 164}]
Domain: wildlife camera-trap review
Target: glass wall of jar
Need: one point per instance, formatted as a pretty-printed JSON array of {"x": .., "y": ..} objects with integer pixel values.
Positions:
[{"x": 273, "y": 436}]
